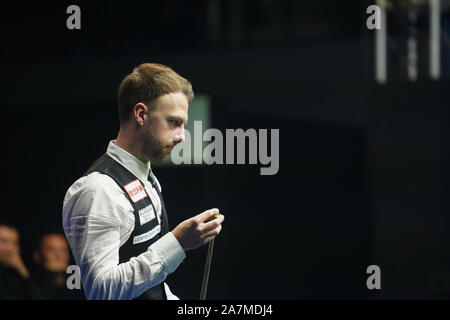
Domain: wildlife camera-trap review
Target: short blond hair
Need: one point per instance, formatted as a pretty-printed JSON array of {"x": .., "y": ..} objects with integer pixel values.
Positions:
[{"x": 147, "y": 82}]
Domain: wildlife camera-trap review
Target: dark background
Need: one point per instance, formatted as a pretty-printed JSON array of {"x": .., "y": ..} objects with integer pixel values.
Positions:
[{"x": 363, "y": 175}]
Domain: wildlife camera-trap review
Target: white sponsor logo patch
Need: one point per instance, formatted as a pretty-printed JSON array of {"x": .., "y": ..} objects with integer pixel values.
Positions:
[
  {"x": 147, "y": 236},
  {"x": 135, "y": 190},
  {"x": 146, "y": 214}
]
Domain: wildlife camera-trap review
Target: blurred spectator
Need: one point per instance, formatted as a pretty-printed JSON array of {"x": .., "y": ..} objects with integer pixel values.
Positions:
[
  {"x": 15, "y": 281},
  {"x": 52, "y": 258}
]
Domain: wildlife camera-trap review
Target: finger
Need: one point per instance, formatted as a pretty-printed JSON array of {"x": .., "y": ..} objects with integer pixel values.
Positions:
[
  {"x": 215, "y": 216},
  {"x": 207, "y": 214},
  {"x": 207, "y": 226},
  {"x": 212, "y": 233}
]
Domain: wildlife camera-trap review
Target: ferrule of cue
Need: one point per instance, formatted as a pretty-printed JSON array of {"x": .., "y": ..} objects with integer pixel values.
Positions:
[{"x": 207, "y": 264}]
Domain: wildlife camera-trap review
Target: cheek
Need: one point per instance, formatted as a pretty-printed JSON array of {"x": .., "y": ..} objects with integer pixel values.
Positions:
[
  {"x": 65, "y": 254},
  {"x": 164, "y": 134},
  {"x": 155, "y": 129},
  {"x": 161, "y": 133}
]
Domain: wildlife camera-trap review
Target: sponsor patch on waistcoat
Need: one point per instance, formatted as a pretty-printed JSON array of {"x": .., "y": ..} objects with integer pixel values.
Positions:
[
  {"x": 147, "y": 236},
  {"x": 135, "y": 190},
  {"x": 146, "y": 214}
]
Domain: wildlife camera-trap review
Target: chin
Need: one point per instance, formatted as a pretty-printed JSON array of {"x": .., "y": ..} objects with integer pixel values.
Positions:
[{"x": 159, "y": 158}]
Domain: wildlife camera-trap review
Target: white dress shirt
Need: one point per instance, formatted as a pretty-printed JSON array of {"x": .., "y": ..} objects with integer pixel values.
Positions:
[{"x": 98, "y": 219}]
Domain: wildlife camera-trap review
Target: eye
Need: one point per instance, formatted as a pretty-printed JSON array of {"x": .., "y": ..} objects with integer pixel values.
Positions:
[{"x": 174, "y": 122}]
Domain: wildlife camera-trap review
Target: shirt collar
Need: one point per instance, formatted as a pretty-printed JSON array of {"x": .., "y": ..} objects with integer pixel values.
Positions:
[{"x": 130, "y": 162}]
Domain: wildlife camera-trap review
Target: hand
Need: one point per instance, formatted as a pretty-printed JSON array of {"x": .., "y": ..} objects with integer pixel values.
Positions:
[
  {"x": 196, "y": 231},
  {"x": 13, "y": 260}
]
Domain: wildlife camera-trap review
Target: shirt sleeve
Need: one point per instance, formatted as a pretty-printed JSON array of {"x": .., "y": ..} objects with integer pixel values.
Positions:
[
  {"x": 169, "y": 294},
  {"x": 95, "y": 215}
]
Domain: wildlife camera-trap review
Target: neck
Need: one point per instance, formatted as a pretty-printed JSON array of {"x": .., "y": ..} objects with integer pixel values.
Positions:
[{"x": 131, "y": 144}]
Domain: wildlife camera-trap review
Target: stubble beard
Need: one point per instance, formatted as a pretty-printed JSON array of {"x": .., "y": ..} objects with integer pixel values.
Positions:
[{"x": 153, "y": 148}]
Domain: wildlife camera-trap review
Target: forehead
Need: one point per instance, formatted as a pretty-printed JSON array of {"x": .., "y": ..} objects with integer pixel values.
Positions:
[
  {"x": 8, "y": 233},
  {"x": 54, "y": 240},
  {"x": 175, "y": 104}
]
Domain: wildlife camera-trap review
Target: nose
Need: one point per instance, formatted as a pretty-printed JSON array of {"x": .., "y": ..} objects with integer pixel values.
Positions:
[{"x": 179, "y": 135}]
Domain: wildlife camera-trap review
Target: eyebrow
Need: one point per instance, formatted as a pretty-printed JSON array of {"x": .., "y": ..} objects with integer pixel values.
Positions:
[{"x": 178, "y": 118}]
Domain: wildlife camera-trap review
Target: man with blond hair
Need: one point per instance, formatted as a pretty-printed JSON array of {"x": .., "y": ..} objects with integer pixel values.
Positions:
[{"x": 114, "y": 216}]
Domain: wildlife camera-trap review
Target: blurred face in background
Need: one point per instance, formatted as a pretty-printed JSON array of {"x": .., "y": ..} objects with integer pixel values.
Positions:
[
  {"x": 53, "y": 254},
  {"x": 9, "y": 244}
]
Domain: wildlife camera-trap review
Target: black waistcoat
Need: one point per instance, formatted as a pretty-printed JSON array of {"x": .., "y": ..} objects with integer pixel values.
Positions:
[{"x": 146, "y": 227}]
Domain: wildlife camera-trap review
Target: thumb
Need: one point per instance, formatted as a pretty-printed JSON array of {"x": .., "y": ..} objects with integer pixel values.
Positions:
[{"x": 208, "y": 214}]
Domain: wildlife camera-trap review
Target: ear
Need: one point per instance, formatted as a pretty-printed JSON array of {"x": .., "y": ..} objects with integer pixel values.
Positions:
[{"x": 140, "y": 112}]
